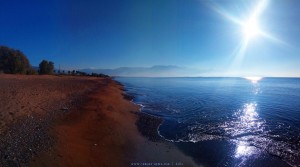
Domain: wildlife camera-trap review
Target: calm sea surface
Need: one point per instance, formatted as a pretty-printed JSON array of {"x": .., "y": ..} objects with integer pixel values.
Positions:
[{"x": 226, "y": 121}]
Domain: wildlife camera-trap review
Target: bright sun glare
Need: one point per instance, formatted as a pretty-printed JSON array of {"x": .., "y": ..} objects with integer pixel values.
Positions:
[
  {"x": 253, "y": 79},
  {"x": 251, "y": 28}
]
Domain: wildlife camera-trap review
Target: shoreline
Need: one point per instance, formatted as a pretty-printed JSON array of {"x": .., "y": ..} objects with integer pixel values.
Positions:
[
  {"x": 154, "y": 149},
  {"x": 77, "y": 121},
  {"x": 84, "y": 121},
  {"x": 225, "y": 149}
]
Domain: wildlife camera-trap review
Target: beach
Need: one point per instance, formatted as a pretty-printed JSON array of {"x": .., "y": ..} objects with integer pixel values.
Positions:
[{"x": 77, "y": 121}]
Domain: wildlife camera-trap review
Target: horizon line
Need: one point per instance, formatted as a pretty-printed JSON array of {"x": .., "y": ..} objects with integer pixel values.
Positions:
[{"x": 204, "y": 77}]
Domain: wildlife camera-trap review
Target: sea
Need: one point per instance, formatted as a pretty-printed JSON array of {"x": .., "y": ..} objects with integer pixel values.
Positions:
[{"x": 225, "y": 121}]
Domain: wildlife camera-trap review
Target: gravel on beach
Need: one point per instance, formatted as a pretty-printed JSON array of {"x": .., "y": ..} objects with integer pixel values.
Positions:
[{"x": 29, "y": 106}]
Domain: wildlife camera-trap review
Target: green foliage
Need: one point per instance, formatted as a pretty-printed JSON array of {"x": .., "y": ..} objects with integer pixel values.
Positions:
[
  {"x": 46, "y": 67},
  {"x": 13, "y": 61}
]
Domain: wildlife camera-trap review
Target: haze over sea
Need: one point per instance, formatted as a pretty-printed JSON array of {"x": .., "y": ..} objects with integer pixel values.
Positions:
[{"x": 226, "y": 121}]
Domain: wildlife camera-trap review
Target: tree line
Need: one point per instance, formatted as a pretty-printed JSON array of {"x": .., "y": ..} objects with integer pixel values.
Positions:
[
  {"x": 14, "y": 61},
  {"x": 80, "y": 73}
]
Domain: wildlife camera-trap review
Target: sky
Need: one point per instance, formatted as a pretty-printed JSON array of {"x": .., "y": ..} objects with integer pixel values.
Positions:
[{"x": 195, "y": 34}]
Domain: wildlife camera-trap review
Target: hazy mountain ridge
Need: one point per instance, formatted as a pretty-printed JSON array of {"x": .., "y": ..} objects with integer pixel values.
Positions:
[{"x": 154, "y": 71}]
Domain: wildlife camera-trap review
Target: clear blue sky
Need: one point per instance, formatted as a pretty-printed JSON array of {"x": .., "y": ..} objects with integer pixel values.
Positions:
[{"x": 143, "y": 33}]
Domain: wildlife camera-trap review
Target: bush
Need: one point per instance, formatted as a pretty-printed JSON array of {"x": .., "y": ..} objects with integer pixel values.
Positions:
[{"x": 13, "y": 61}]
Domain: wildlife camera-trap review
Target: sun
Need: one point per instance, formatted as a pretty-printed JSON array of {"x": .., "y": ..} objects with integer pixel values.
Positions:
[{"x": 251, "y": 29}]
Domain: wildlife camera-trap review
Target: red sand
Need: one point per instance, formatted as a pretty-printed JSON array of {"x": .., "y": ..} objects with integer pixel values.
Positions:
[{"x": 101, "y": 131}]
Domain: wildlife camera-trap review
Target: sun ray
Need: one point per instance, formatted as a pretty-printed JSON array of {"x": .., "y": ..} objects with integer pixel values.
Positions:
[
  {"x": 238, "y": 55},
  {"x": 250, "y": 28},
  {"x": 259, "y": 8},
  {"x": 251, "y": 25},
  {"x": 274, "y": 39},
  {"x": 225, "y": 14}
]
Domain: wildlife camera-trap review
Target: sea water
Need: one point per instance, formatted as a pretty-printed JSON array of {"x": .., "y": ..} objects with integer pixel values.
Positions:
[{"x": 225, "y": 121}]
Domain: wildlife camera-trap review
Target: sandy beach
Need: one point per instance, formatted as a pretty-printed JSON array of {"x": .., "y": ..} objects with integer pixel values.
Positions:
[{"x": 77, "y": 121}]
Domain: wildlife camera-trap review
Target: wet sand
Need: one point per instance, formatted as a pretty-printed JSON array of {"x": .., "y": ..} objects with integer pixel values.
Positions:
[{"x": 77, "y": 121}]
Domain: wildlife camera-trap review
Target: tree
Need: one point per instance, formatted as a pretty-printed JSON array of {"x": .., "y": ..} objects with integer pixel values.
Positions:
[
  {"x": 50, "y": 67},
  {"x": 46, "y": 67},
  {"x": 13, "y": 61}
]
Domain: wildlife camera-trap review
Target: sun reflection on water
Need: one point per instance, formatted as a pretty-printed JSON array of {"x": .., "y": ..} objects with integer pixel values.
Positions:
[
  {"x": 255, "y": 83},
  {"x": 253, "y": 79},
  {"x": 249, "y": 114},
  {"x": 248, "y": 124},
  {"x": 244, "y": 150},
  {"x": 247, "y": 120}
]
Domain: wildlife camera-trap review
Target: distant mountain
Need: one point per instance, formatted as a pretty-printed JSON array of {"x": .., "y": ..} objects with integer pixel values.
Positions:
[{"x": 154, "y": 71}]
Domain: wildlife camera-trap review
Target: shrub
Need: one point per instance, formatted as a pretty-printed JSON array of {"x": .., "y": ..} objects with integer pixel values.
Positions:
[{"x": 13, "y": 61}]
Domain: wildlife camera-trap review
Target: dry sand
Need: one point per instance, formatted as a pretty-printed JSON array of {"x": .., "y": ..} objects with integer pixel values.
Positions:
[{"x": 76, "y": 121}]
